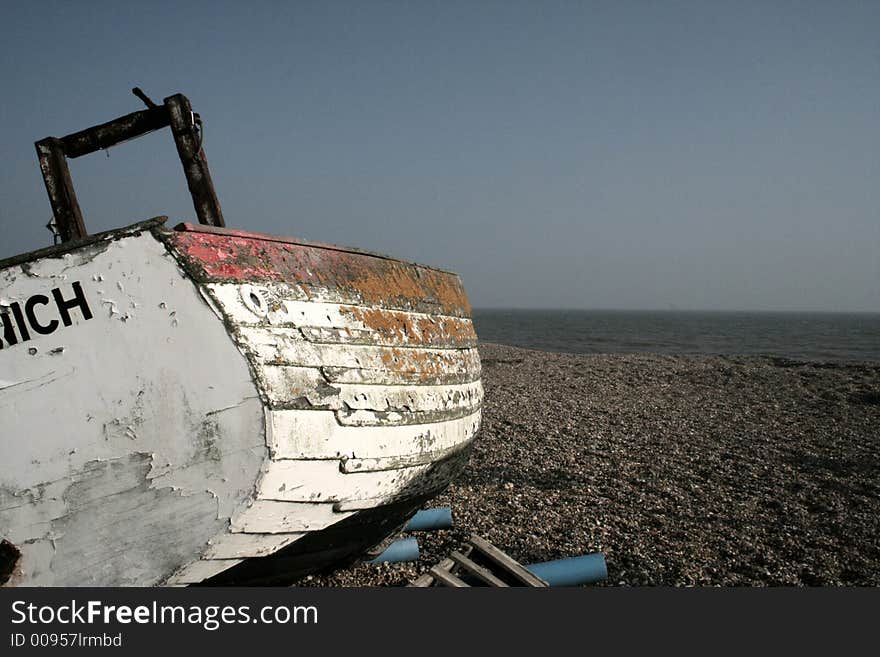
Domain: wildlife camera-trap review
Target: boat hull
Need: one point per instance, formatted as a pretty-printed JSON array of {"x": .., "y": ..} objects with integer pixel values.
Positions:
[{"x": 207, "y": 399}]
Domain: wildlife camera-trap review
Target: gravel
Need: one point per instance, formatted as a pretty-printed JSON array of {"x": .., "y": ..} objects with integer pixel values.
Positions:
[{"x": 683, "y": 470}]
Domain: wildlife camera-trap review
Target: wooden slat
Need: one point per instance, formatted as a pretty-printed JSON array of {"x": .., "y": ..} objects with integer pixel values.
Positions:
[
  {"x": 274, "y": 517},
  {"x": 422, "y": 581},
  {"x": 201, "y": 570},
  {"x": 478, "y": 571},
  {"x": 322, "y": 273},
  {"x": 322, "y": 481},
  {"x": 241, "y": 546},
  {"x": 504, "y": 562},
  {"x": 59, "y": 186},
  {"x": 425, "y": 580},
  {"x": 286, "y": 346},
  {"x": 195, "y": 164},
  {"x": 447, "y": 578},
  {"x": 114, "y": 132},
  {"x": 287, "y": 305},
  {"x": 296, "y": 387},
  {"x": 301, "y": 434},
  {"x": 351, "y": 466}
]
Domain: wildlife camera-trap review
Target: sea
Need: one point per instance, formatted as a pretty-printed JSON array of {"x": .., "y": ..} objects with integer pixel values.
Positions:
[{"x": 836, "y": 337}]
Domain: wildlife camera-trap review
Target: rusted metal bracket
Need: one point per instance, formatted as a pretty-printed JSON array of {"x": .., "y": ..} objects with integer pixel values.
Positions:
[{"x": 175, "y": 112}]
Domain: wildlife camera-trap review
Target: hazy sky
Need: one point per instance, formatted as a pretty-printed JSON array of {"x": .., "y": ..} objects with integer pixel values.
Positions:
[{"x": 699, "y": 155}]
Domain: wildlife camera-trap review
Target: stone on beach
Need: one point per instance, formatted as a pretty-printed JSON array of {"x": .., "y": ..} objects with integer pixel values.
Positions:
[{"x": 684, "y": 470}]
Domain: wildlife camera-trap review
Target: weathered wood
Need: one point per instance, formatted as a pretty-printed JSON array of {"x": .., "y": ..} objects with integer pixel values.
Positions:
[
  {"x": 201, "y": 570},
  {"x": 317, "y": 435},
  {"x": 274, "y": 517},
  {"x": 425, "y": 580},
  {"x": 146, "y": 99},
  {"x": 286, "y": 346},
  {"x": 320, "y": 273},
  {"x": 448, "y": 579},
  {"x": 241, "y": 545},
  {"x": 135, "y": 462},
  {"x": 176, "y": 112},
  {"x": 288, "y": 305},
  {"x": 506, "y": 563},
  {"x": 323, "y": 481},
  {"x": 478, "y": 571},
  {"x": 428, "y": 483},
  {"x": 114, "y": 132},
  {"x": 59, "y": 186},
  {"x": 192, "y": 157},
  {"x": 296, "y": 387},
  {"x": 351, "y": 465}
]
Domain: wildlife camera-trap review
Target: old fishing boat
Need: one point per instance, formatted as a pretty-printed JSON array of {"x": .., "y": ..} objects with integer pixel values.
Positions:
[{"x": 194, "y": 404}]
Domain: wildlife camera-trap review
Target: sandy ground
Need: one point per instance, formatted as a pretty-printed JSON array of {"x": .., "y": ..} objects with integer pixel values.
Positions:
[{"x": 683, "y": 470}]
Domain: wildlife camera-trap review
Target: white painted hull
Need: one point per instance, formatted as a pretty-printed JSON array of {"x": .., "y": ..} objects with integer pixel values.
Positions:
[{"x": 192, "y": 410}]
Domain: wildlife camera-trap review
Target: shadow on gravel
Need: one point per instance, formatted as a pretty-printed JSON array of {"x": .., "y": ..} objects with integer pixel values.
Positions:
[{"x": 871, "y": 398}]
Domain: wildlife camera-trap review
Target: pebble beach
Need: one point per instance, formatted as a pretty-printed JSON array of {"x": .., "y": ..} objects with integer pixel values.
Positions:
[{"x": 683, "y": 470}]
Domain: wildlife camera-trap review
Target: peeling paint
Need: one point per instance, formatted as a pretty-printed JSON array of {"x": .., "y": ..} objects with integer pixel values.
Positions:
[
  {"x": 141, "y": 460},
  {"x": 330, "y": 382},
  {"x": 406, "y": 329},
  {"x": 321, "y": 271}
]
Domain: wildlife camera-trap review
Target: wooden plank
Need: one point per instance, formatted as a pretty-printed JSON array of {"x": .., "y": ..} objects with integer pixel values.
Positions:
[
  {"x": 478, "y": 571},
  {"x": 447, "y": 579},
  {"x": 352, "y": 465},
  {"x": 241, "y": 546},
  {"x": 192, "y": 157},
  {"x": 113, "y": 132},
  {"x": 201, "y": 570},
  {"x": 389, "y": 377},
  {"x": 449, "y": 565},
  {"x": 505, "y": 562},
  {"x": 288, "y": 305},
  {"x": 323, "y": 481},
  {"x": 323, "y": 273},
  {"x": 317, "y": 435},
  {"x": 396, "y": 417},
  {"x": 413, "y": 398},
  {"x": 59, "y": 186},
  {"x": 286, "y": 346},
  {"x": 292, "y": 387},
  {"x": 429, "y": 482},
  {"x": 275, "y": 517},
  {"x": 384, "y": 338},
  {"x": 422, "y": 581}
]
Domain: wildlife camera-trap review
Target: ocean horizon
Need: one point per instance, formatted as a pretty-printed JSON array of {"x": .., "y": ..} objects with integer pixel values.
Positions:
[{"x": 814, "y": 336}]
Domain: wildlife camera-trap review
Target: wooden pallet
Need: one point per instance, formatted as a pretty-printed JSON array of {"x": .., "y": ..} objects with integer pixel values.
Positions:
[{"x": 482, "y": 561}]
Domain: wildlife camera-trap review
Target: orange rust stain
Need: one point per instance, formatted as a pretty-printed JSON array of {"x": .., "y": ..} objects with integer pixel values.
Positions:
[
  {"x": 423, "y": 364},
  {"x": 404, "y": 328},
  {"x": 376, "y": 281},
  {"x": 394, "y": 281}
]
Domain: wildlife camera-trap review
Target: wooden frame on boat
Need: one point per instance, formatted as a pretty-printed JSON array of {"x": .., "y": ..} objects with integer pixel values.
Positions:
[{"x": 176, "y": 112}]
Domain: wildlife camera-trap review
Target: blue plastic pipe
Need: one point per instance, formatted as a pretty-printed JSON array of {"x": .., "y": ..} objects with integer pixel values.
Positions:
[
  {"x": 586, "y": 569},
  {"x": 430, "y": 519},
  {"x": 404, "y": 549}
]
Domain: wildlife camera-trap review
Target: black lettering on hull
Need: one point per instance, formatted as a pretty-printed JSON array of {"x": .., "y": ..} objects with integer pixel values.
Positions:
[
  {"x": 42, "y": 329},
  {"x": 66, "y": 305},
  {"x": 18, "y": 323},
  {"x": 9, "y": 336}
]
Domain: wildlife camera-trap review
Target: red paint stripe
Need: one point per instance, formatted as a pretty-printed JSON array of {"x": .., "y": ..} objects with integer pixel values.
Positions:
[{"x": 229, "y": 255}]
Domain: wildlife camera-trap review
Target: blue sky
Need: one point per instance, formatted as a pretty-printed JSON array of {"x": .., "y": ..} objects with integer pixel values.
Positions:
[{"x": 556, "y": 154}]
